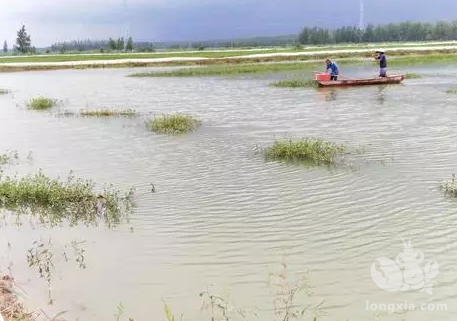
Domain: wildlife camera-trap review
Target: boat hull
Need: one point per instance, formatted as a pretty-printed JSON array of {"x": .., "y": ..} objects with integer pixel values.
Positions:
[{"x": 363, "y": 82}]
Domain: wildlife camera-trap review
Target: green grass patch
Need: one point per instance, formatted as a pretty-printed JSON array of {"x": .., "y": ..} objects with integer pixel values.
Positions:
[
  {"x": 116, "y": 56},
  {"x": 452, "y": 90},
  {"x": 4, "y": 91},
  {"x": 173, "y": 124},
  {"x": 109, "y": 113},
  {"x": 53, "y": 201},
  {"x": 295, "y": 83},
  {"x": 313, "y": 150},
  {"x": 222, "y": 53},
  {"x": 42, "y": 103},
  {"x": 419, "y": 59},
  {"x": 412, "y": 76}
]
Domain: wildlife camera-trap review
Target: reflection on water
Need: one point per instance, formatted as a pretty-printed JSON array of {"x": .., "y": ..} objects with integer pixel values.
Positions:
[
  {"x": 381, "y": 94},
  {"x": 221, "y": 215},
  {"x": 329, "y": 94}
]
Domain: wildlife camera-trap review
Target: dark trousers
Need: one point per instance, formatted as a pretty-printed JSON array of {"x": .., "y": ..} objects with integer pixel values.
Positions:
[{"x": 334, "y": 78}]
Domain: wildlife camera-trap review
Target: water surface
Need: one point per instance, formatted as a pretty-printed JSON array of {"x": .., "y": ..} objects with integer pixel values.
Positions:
[{"x": 222, "y": 216}]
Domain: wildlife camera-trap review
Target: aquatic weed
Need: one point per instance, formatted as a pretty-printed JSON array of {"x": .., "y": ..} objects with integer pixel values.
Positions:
[
  {"x": 42, "y": 103},
  {"x": 109, "y": 113},
  {"x": 41, "y": 256},
  {"x": 295, "y": 83},
  {"x": 315, "y": 150},
  {"x": 450, "y": 186},
  {"x": 452, "y": 90},
  {"x": 4, "y": 91},
  {"x": 228, "y": 69},
  {"x": 173, "y": 124},
  {"x": 53, "y": 201},
  {"x": 9, "y": 157},
  {"x": 412, "y": 76},
  {"x": 290, "y": 296}
]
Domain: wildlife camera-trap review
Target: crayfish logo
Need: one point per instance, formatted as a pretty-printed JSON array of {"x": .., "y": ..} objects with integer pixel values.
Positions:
[{"x": 388, "y": 275}]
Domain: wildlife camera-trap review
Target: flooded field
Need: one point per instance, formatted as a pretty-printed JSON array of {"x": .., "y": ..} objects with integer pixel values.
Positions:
[{"x": 221, "y": 216}]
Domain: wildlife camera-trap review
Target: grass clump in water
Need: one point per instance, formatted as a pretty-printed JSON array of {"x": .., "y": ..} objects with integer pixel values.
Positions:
[
  {"x": 412, "y": 76},
  {"x": 295, "y": 83},
  {"x": 452, "y": 90},
  {"x": 109, "y": 113},
  {"x": 450, "y": 186},
  {"x": 314, "y": 150},
  {"x": 41, "y": 103},
  {"x": 53, "y": 201},
  {"x": 9, "y": 157},
  {"x": 173, "y": 124},
  {"x": 4, "y": 91}
]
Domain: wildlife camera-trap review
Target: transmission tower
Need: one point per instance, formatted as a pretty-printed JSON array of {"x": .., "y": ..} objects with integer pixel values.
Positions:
[
  {"x": 126, "y": 32},
  {"x": 362, "y": 13}
]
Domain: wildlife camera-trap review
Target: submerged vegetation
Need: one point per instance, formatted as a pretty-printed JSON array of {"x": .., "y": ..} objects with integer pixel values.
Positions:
[
  {"x": 412, "y": 76},
  {"x": 173, "y": 124},
  {"x": 314, "y": 150},
  {"x": 42, "y": 103},
  {"x": 109, "y": 113},
  {"x": 9, "y": 157},
  {"x": 452, "y": 90},
  {"x": 450, "y": 186},
  {"x": 295, "y": 83},
  {"x": 4, "y": 91},
  {"x": 53, "y": 201},
  {"x": 225, "y": 70}
]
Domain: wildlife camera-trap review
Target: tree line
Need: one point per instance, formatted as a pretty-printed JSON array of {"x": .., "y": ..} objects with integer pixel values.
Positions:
[
  {"x": 91, "y": 45},
  {"x": 392, "y": 32},
  {"x": 23, "y": 44}
]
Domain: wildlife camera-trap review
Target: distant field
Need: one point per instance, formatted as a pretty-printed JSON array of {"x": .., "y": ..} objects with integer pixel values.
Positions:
[
  {"x": 55, "y": 58},
  {"x": 234, "y": 61}
]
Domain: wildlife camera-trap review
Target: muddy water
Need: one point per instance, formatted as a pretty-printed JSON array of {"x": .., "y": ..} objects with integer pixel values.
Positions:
[{"x": 221, "y": 216}]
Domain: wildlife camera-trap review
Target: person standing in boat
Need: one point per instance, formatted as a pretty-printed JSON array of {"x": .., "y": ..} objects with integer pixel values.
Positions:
[
  {"x": 334, "y": 70},
  {"x": 382, "y": 63}
]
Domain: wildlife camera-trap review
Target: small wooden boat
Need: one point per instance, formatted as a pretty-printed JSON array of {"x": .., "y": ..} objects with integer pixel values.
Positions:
[{"x": 395, "y": 79}]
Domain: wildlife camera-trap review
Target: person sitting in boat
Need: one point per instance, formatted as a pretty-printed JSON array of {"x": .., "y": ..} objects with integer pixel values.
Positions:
[
  {"x": 334, "y": 70},
  {"x": 382, "y": 63}
]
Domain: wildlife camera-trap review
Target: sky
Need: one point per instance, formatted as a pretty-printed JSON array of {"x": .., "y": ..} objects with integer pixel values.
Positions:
[{"x": 50, "y": 21}]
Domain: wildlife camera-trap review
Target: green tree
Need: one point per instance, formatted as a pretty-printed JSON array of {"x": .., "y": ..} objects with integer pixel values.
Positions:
[
  {"x": 5, "y": 47},
  {"x": 129, "y": 45},
  {"x": 23, "y": 42},
  {"x": 112, "y": 44},
  {"x": 120, "y": 44}
]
